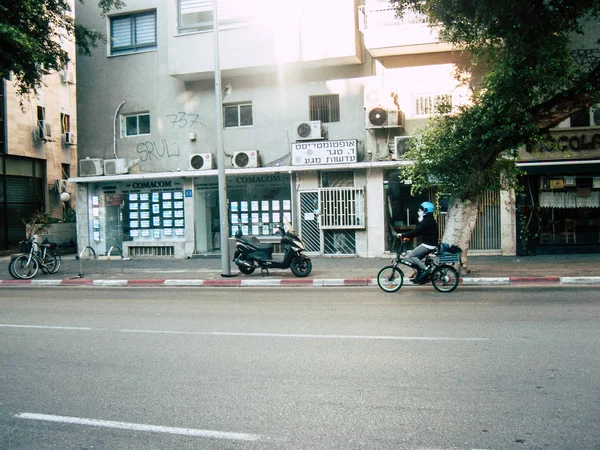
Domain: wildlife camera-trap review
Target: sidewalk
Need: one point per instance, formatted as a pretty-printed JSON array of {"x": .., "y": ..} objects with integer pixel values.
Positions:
[{"x": 327, "y": 271}]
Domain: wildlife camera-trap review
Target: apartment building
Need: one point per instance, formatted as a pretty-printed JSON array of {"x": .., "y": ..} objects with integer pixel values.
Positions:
[
  {"x": 38, "y": 151},
  {"x": 319, "y": 100}
]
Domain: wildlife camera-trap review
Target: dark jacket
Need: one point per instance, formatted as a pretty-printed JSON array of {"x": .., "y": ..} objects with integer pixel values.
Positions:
[{"x": 427, "y": 228}]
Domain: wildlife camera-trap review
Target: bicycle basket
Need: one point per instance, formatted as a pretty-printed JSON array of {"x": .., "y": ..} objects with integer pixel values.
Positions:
[
  {"x": 445, "y": 257},
  {"x": 25, "y": 246}
]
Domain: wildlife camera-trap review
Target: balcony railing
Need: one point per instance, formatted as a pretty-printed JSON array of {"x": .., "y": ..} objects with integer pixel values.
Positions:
[{"x": 386, "y": 17}]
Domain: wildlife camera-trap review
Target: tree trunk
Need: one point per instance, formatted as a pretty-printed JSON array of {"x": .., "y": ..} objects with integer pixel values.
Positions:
[{"x": 460, "y": 221}]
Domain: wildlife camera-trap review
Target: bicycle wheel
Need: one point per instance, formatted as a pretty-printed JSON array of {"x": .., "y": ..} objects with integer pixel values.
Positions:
[
  {"x": 390, "y": 279},
  {"x": 24, "y": 267},
  {"x": 51, "y": 262},
  {"x": 445, "y": 278}
]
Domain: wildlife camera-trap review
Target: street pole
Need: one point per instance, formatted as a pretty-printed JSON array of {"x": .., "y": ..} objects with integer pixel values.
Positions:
[{"x": 222, "y": 181}]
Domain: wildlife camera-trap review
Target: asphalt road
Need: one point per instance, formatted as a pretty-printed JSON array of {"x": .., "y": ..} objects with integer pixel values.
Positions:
[{"x": 251, "y": 368}]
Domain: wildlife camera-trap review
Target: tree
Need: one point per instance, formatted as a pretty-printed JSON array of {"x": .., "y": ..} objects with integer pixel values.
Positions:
[
  {"x": 31, "y": 32},
  {"x": 533, "y": 79}
]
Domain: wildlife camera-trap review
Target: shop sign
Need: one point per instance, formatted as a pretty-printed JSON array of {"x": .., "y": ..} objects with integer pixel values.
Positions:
[
  {"x": 568, "y": 144},
  {"x": 324, "y": 152}
]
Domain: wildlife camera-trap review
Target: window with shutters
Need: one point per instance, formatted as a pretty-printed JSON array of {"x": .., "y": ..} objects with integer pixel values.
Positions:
[
  {"x": 325, "y": 108},
  {"x": 133, "y": 33}
]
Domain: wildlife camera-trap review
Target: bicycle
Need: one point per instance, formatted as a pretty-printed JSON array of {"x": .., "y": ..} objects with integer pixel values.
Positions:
[
  {"x": 442, "y": 276},
  {"x": 34, "y": 256}
]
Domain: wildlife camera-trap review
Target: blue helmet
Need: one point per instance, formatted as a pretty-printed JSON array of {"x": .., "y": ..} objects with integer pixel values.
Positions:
[{"x": 427, "y": 207}]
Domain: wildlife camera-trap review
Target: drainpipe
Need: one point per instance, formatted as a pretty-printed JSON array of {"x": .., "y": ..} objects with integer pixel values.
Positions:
[{"x": 115, "y": 129}]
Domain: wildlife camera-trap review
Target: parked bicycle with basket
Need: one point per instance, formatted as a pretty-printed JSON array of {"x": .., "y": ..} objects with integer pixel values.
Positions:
[
  {"x": 35, "y": 256},
  {"x": 439, "y": 270}
]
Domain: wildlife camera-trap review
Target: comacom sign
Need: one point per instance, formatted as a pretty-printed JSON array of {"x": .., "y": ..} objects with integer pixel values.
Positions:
[{"x": 324, "y": 152}]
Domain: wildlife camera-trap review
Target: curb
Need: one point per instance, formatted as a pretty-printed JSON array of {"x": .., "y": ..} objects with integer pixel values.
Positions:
[{"x": 300, "y": 282}]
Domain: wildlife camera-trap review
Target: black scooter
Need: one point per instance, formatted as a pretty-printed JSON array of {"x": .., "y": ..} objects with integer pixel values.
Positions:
[{"x": 250, "y": 254}]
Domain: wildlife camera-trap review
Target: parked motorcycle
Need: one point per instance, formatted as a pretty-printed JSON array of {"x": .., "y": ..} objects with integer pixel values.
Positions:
[{"x": 251, "y": 254}]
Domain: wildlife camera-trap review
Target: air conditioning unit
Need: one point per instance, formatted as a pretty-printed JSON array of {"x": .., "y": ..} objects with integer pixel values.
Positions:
[
  {"x": 400, "y": 145},
  {"x": 115, "y": 166},
  {"x": 91, "y": 167},
  {"x": 67, "y": 77},
  {"x": 44, "y": 130},
  {"x": 69, "y": 138},
  {"x": 202, "y": 161},
  {"x": 381, "y": 117},
  {"x": 309, "y": 130},
  {"x": 244, "y": 160}
]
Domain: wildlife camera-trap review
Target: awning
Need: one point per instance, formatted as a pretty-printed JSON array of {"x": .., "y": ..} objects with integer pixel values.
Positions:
[{"x": 590, "y": 166}]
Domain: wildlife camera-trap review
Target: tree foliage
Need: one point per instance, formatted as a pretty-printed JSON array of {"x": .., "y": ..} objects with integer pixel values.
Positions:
[
  {"x": 531, "y": 82},
  {"x": 32, "y": 33}
]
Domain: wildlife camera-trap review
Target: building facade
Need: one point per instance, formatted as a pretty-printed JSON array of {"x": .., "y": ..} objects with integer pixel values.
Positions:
[
  {"x": 319, "y": 100},
  {"x": 38, "y": 151}
]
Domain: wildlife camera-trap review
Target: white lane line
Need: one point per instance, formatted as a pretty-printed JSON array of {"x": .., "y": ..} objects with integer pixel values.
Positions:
[
  {"x": 142, "y": 427},
  {"x": 48, "y": 327},
  {"x": 276, "y": 335}
]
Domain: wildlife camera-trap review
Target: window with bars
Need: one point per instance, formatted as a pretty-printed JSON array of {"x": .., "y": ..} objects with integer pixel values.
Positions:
[
  {"x": 342, "y": 208},
  {"x": 325, "y": 108},
  {"x": 237, "y": 115},
  {"x": 427, "y": 104},
  {"x": 133, "y": 33}
]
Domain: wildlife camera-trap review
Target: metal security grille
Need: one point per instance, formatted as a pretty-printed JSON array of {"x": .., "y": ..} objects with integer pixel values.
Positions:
[
  {"x": 340, "y": 242},
  {"x": 325, "y": 108},
  {"x": 152, "y": 251},
  {"x": 309, "y": 222},
  {"x": 342, "y": 208},
  {"x": 486, "y": 234}
]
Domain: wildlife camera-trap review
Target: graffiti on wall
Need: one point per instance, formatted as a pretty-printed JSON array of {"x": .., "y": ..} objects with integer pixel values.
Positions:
[
  {"x": 184, "y": 120},
  {"x": 150, "y": 150}
]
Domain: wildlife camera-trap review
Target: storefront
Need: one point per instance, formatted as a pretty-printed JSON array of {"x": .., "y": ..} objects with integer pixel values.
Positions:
[{"x": 560, "y": 209}]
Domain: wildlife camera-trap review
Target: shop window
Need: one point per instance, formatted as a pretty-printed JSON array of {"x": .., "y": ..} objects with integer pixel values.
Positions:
[
  {"x": 238, "y": 115},
  {"x": 133, "y": 33},
  {"x": 325, "y": 108}
]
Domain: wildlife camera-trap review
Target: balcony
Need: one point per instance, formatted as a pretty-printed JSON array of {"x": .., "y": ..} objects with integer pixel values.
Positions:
[
  {"x": 387, "y": 35},
  {"x": 310, "y": 34}
]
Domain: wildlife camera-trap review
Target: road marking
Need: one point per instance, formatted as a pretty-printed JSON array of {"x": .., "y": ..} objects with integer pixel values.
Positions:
[
  {"x": 142, "y": 427},
  {"x": 276, "y": 335}
]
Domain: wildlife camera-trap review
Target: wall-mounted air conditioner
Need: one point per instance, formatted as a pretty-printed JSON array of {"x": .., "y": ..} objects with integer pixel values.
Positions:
[
  {"x": 115, "y": 166},
  {"x": 202, "y": 161},
  {"x": 309, "y": 130},
  {"x": 381, "y": 117},
  {"x": 246, "y": 159},
  {"x": 91, "y": 167},
  {"x": 401, "y": 145},
  {"x": 67, "y": 77},
  {"x": 44, "y": 131},
  {"x": 69, "y": 138}
]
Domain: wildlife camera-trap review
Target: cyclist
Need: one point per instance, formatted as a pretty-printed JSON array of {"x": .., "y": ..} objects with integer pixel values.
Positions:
[{"x": 427, "y": 227}]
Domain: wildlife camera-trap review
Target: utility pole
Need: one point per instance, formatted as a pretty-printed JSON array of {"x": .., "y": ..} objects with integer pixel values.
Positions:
[{"x": 222, "y": 181}]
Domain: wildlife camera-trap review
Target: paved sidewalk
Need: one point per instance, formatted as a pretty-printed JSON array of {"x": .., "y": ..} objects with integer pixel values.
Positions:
[{"x": 327, "y": 271}]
